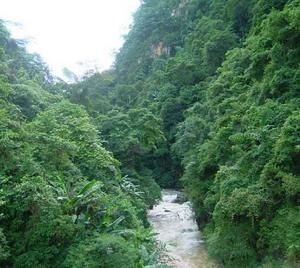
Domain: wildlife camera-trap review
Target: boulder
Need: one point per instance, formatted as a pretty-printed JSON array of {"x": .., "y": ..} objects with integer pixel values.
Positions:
[{"x": 181, "y": 198}]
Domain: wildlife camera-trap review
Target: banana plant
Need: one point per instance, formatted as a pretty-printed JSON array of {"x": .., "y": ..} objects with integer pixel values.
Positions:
[
  {"x": 129, "y": 187},
  {"x": 82, "y": 203}
]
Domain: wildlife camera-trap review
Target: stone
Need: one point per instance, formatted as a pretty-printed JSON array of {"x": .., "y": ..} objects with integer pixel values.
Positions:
[{"x": 181, "y": 198}]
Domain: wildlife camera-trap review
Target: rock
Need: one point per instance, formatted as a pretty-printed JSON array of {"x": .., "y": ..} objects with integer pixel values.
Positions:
[
  {"x": 189, "y": 230},
  {"x": 181, "y": 198}
]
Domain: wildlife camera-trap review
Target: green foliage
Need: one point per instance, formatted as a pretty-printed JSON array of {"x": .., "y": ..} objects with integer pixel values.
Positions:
[
  {"x": 92, "y": 93},
  {"x": 239, "y": 144},
  {"x": 228, "y": 100},
  {"x": 103, "y": 251},
  {"x": 202, "y": 90},
  {"x": 63, "y": 198},
  {"x": 4, "y": 252}
]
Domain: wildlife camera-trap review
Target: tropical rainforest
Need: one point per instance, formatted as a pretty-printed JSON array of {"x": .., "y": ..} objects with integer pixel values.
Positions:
[{"x": 203, "y": 96}]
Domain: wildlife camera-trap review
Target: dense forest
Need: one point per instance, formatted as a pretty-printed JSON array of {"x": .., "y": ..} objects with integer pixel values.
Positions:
[{"x": 204, "y": 96}]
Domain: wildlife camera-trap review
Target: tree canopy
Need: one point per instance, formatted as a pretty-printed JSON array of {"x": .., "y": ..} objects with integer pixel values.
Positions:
[{"x": 203, "y": 95}]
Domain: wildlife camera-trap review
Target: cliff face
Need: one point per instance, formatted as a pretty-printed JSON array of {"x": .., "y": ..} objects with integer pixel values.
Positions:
[
  {"x": 181, "y": 10},
  {"x": 159, "y": 49},
  {"x": 156, "y": 33}
]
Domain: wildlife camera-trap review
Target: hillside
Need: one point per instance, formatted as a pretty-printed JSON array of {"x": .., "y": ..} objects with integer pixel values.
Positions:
[{"x": 204, "y": 95}]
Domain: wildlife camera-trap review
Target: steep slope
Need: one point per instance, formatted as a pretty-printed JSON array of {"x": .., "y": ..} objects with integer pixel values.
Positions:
[
  {"x": 63, "y": 200},
  {"x": 222, "y": 78},
  {"x": 204, "y": 95}
]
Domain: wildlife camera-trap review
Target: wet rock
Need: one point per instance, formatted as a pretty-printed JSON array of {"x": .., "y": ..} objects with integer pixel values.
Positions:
[
  {"x": 158, "y": 215},
  {"x": 189, "y": 230},
  {"x": 166, "y": 210},
  {"x": 181, "y": 198}
]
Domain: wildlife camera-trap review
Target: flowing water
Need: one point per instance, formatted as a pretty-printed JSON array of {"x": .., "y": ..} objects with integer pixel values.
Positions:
[{"x": 175, "y": 227}]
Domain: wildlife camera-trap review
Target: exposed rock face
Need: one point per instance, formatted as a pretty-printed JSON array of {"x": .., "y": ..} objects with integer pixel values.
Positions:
[
  {"x": 159, "y": 49},
  {"x": 180, "y": 10},
  {"x": 181, "y": 198}
]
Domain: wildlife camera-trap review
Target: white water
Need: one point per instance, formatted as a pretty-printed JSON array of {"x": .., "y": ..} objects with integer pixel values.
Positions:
[{"x": 175, "y": 227}]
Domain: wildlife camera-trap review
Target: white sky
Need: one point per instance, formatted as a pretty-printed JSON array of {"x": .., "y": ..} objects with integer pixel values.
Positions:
[{"x": 71, "y": 33}]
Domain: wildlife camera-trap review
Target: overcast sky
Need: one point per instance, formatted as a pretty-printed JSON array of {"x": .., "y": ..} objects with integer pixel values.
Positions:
[{"x": 71, "y": 33}]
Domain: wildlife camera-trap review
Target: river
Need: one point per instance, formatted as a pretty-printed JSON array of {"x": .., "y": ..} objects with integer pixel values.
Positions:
[{"x": 176, "y": 228}]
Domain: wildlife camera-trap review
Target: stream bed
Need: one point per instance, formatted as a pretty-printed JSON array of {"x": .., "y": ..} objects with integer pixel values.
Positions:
[{"x": 176, "y": 228}]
